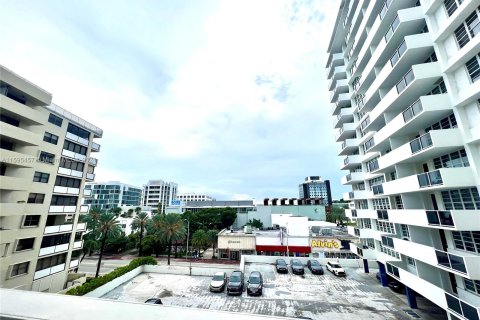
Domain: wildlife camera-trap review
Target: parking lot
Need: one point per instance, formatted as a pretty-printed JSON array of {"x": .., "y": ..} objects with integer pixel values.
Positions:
[{"x": 312, "y": 296}]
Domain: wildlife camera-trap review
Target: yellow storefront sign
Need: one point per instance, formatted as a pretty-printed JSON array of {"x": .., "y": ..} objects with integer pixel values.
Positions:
[{"x": 331, "y": 244}]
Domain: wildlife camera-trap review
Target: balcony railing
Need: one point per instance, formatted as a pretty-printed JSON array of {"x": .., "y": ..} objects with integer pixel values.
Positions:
[
  {"x": 48, "y": 271},
  {"x": 369, "y": 144},
  {"x": 92, "y": 161},
  {"x": 351, "y": 195},
  {"x": 406, "y": 80},
  {"x": 386, "y": 5},
  {"x": 354, "y": 213},
  {"x": 57, "y": 229},
  {"x": 365, "y": 123},
  {"x": 83, "y": 209},
  {"x": 412, "y": 111},
  {"x": 428, "y": 179},
  {"x": 372, "y": 165},
  {"x": 391, "y": 29},
  {"x": 422, "y": 142},
  {"x": 90, "y": 176},
  {"x": 81, "y": 226},
  {"x": 53, "y": 249},
  {"x": 349, "y": 177},
  {"x": 95, "y": 146},
  {"x": 398, "y": 53},
  {"x": 377, "y": 189},
  {"x": 440, "y": 218},
  {"x": 451, "y": 261},
  {"x": 74, "y": 137},
  {"x": 62, "y": 209},
  {"x": 461, "y": 307}
]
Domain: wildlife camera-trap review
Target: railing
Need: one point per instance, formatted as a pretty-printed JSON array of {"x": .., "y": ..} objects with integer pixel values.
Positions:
[
  {"x": 345, "y": 162},
  {"x": 90, "y": 176},
  {"x": 59, "y": 228},
  {"x": 412, "y": 111},
  {"x": 83, "y": 209},
  {"x": 81, "y": 226},
  {"x": 73, "y": 155},
  {"x": 48, "y": 271},
  {"x": 382, "y": 214},
  {"x": 372, "y": 165},
  {"x": 398, "y": 53},
  {"x": 71, "y": 116},
  {"x": 406, "y": 80},
  {"x": 451, "y": 261},
  {"x": 87, "y": 192},
  {"x": 420, "y": 143},
  {"x": 378, "y": 189},
  {"x": 351, "y": 195},
  {"x": 429, "y": 179},
  {"x": 386, "y": 5},
  {"x": 95, "y": 146},
  {"x": 62, "y": 209},
  {"x": 53, "y": 249},
  {"x": 92, "y": 161},
  {"x": 440, "y": 218},
  {"x": 74, "y": 137},
  {"x": 354, "y": 213},
  {"x": 349, "y": 177},
  {"x": 70, "y": 172},
  {"x": 344, "y": 144},
  {"x": 461, "y": 307},
  {"x": 78, "y": 244},
  {"x": 365, "y": 123},
  {"x": 391, "y": 29},
  {"x": 369, "y": 144}
]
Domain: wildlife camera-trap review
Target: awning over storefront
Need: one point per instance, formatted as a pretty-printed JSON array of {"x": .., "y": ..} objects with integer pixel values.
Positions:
[{"x": 298, "y": 249}]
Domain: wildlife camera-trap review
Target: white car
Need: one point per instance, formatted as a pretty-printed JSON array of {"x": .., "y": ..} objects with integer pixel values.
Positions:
[
  {"x": 218, "y": 282},
  {"x": 335, "y": 268}
]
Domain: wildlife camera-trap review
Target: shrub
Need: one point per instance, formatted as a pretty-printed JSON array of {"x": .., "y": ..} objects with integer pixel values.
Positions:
[{"x": 100, "y": 281}]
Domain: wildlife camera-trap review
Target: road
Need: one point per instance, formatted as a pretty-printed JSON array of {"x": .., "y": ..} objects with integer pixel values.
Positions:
[{"x": 89, "y": 265}]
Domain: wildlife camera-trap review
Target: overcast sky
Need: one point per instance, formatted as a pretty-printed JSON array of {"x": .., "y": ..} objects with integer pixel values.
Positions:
[{"x": 227, "y": 98}]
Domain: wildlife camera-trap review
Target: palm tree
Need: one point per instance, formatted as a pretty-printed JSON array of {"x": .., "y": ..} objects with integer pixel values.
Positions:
[
  {"x": 139, "y": 222},
  {"x": 171, "y": 229},
  {"x": 154, "y": 228},
  {"x": 106, "y": 227},
  {"x": 127, "y": 214},
  {"x": 116, "y": 210},
  {"x": 212, "y": 239},
  {"x": 199, "y": 239}
]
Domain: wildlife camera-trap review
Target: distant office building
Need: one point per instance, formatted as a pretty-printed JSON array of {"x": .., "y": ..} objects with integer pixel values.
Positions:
[
  {"x": 46, "y": 157},
  {"x": 314, "y": 188},
  {"x": 108, "y": 195},
  {"x": 242, "y": 206},
  {"x": 193, "y": 197},
  {"x": 159, "y": 194}
]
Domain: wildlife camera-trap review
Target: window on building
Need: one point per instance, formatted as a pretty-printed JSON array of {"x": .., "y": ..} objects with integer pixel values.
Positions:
[
  {"x": 452, "y": 160},
  {"x": 67, "y": 182},
  {"x": 36, "y": 198},
  {"x": 461, "y": 199},
  {"x": 451, "y": 6},
  {"x": 82, "y": 133},
  {"x": 25, "y": 244},
  {"x": 411, "y": 262},
  {"x": 468, "y": 29},
  {"x": 467, "y": 240},
  {"x": 472, "y": 285},
  {"x": 70, "y": 164},
  {"x": 405, "y": 230},
  {"x": 438, "y": 88},
  {"x": 31, "y": 220},
  {"x": 49, "y": 262},
  {"x": 11, "y": 121},
  {"x": 473, "y": 68},
  {"x": 41, "y": 177},
  {"x": 19, "y": 269},
  {"x": 445, "y": 123},
  {"x": 70, "y": 146},
  {"x": 55, "y": 120},
  {"x": 376, "y": 181},
  {"x": 63, "y": 201},
  {"x": 372, "y": 165},
  {"x": 46, "y": 157},
  {"x": 362, "y": 204},
  {"x": 385, "y": 226},
  {"x": 381, "y": 203},
  {"x": 50, "y": 138},
  {"x": 50, "y": 241}
]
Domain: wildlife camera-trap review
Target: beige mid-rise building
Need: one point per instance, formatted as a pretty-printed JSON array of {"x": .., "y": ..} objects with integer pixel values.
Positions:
[{"x": 46, "y": 157}]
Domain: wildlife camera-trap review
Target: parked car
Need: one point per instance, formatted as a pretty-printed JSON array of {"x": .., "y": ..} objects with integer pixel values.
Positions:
[
  {"x": 315, "y": 267},
  {"x": 335, "y": 268},
  {"x": 297, "y": 266},
  {"x": 281, "y": 266},
  {"x": 235, "y": 283},
  {"x": 218, "y": 282},
  {"x": 255, "y": 283},
  {"x": 396, "y": 286},
  {"x": 154, "y": 301}
]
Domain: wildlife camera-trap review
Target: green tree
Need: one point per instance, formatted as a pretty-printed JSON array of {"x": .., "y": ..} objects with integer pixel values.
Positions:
[
  {"x": 106, "y": 227},
  {"x": 117, "y": 211},
  {"x": 89, "y": 246},
  {"x": 171, "y": 228},
  {"x": 212, "y": 236},
  {"x": 154, "y": 227},
  {"x": 139, "y": 222},
  {"x": 116, "y": 244},
  {"x": 227, "y": 217},
  {"x": 200, "y": 239},
  {"x": 256, "y": 223},
  {"x": 127, "y": 214}
]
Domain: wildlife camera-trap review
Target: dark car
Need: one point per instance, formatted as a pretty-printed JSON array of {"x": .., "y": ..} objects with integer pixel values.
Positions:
[
  {"x": 395, "y": 286},
  {"x": 315, "y": 267},
  {"x": 235, "y": 283},
  {"x": 297, "y": 266},
  {"x": 218, "y": 282},
  {"x": 154, "y": 301},
  {"x": 255, "y": 283},
  {"x": 281, "y": 266}
]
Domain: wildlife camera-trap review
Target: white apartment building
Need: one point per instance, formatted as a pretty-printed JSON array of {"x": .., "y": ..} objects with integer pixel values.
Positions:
[
  {"x": 46, "y": 157},
  {"x": 404, "y": 77},
  {"x": 159, "y": 194},
  {"x": 193, "y": 197},
  {"x": 112, "y": 194}
]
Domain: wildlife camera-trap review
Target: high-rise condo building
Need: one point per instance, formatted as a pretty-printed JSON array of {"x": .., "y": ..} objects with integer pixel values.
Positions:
[
  {"x": 108, "y": 195},
  {"x": 315, "y": 188},
  {"x": 46, "y": 157},
  {"x": 404, "y": 77},
  {"x": 159, "y": 194}
]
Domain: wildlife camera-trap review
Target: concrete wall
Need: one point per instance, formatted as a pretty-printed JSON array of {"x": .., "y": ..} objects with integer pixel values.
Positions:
[{"x": 109, "y": 286}]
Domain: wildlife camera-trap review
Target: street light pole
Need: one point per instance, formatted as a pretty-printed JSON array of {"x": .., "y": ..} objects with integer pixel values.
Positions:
[{"x": 188, "y": 236}]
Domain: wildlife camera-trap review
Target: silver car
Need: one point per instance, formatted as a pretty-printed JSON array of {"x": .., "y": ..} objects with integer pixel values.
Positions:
[{"x": 218, "y": 282}]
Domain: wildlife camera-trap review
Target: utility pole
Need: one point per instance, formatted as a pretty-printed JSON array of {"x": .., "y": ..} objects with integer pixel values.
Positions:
[{"x": 188, "y": 236}]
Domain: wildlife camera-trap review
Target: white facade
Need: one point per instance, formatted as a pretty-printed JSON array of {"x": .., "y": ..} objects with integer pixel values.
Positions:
[
  {"x": 159, "y": 194},
  {"x": 112, "y": 194},
  {"x": 193, "y": 197},
  {"x": 404, "y": 78},
  {"x": 46, "y": 157}
]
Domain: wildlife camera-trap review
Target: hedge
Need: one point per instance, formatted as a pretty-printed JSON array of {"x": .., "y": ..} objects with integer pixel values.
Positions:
[{"x": 100, "y": 281}]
